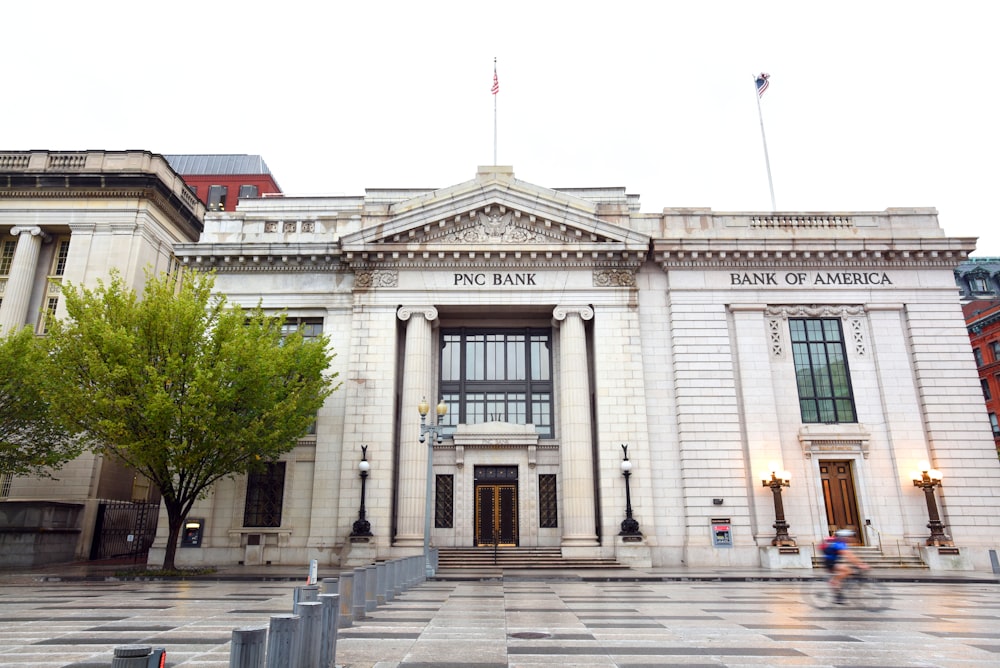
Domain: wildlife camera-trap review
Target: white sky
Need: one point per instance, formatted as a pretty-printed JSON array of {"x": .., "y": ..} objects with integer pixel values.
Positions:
[{"x": 871, "y": 105}]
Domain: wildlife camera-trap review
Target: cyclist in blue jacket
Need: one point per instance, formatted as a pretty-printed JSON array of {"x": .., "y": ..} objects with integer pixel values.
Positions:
[{"x": 836, "y": 554}]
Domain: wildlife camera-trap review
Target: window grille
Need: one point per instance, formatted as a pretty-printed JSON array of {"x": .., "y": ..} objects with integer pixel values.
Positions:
[
  {"x": 265, "y": 494},
  {"x": 444, "y": 501},
  {"x": 548, "y": 516}
]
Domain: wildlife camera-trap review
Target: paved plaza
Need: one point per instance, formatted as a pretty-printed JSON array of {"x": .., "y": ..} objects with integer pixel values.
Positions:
[{"x": 516, "y": 621}]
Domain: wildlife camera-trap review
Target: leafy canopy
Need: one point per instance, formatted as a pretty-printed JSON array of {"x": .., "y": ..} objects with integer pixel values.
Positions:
[
  {"x": 182, "y": 387},
  {"x": 31, "y": 439}
]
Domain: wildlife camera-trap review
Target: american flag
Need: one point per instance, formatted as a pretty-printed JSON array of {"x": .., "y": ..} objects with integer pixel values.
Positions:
[
  {"x": 762, "y": 83},
  {"x": 496, "y": 82}
]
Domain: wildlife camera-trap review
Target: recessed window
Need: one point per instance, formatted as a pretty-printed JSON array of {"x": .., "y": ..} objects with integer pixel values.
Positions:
[
  {"x": 986, "y": 389},
  {"x": 548, "y": 511},
  {"x": 995, "y": 350},
  {"x": 217, "y": 198},
  {"x": 821, "y": 372},
  {"x": 6, "y": 256},
  {"x": 501, "y": 375},
  {"x": 248, "y": 191},
  {"x": 978, "y": 284},
  {"x": 995, "y": 424},
  {"x": 444, "y": 501},
  {"x": 265, "y": 494},
  {"x": 978, "y": 354}
]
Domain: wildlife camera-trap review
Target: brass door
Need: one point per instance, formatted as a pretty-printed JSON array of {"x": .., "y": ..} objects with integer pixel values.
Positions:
[
  {"x": 496, "y": 515},
  {"x": 837, "y": 479}
]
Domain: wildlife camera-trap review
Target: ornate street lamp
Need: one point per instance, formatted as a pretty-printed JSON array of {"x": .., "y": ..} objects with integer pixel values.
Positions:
[
  {"x": 362, "y": 527},
  {"x": 435, "y": 430},
  {"x": 775, "y": 478},
  {"x": 927, "y": 479},
  {"x": 630, "y": 527}
]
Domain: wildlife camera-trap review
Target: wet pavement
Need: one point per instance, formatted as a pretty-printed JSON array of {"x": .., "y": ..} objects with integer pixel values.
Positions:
[{"x": 74, "y": 616}]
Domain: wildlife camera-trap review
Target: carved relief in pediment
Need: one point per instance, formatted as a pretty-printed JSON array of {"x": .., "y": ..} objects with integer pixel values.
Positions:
[{"x": 492, "y": 227}]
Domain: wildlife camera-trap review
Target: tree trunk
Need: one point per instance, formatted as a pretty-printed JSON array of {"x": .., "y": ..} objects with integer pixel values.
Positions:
[{"x": 174, "y": 521}]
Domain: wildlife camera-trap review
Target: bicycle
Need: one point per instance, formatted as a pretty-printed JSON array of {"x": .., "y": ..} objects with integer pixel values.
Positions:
[{"x": 858, "y": 591}]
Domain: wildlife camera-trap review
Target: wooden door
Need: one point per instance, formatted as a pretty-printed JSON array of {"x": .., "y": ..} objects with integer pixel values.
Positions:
[{"x": 837, "y": 478}]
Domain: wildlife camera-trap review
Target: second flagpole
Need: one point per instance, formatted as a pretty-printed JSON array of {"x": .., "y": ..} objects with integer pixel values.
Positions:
[{"x": 496, "y": 89}]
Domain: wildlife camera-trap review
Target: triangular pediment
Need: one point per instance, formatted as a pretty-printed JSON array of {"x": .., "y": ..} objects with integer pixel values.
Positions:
[{"x": 493, "y": 210}]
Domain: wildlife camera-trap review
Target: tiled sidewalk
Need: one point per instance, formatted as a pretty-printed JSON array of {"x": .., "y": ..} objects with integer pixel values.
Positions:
[{"x": 515, "y": 621}]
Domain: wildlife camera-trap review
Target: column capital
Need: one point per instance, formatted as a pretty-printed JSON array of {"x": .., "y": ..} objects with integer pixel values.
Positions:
[
  {"x": 585, "y": 312},
  {"x": 429, "y": 312},
  {"x": 33, "y": 230}
]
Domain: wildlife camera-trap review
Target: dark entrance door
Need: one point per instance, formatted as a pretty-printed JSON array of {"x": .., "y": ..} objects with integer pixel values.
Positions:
[
  {"x": 837, "y": 479},
  {"x": 496, "y": 505}
]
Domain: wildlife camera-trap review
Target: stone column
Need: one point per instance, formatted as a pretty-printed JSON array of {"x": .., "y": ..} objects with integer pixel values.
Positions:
[
  {"x": 417, "y": 385},
  {"x": 576, "y": 452},
  {"x": 17, "y": 295}
]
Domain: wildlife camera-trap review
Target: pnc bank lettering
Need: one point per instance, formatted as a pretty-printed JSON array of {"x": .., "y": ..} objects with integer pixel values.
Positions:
[
  {"x": 765, "y": 278},
  {"x": 500, "y": 279}
]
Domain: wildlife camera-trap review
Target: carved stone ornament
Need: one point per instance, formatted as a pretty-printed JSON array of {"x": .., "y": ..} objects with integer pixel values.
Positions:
[
  {"x": 798, "y": 311},
  {"x": 776, "y": 315},
  {"x": 495, "y": 227},
  {"x": 429, "y": 312},
  {"x": 376, "y": 279},
  {"x": 614, "y": 278},
  {"x": 585, "y": 312}
]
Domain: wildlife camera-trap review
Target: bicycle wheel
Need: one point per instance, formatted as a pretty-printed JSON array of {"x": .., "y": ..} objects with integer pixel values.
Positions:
[
  {"x": 819, "y": 594},
  {"x": 870, "y": 594}
]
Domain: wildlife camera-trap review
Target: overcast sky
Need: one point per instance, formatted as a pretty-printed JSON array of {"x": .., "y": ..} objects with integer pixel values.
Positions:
[{"x": 870, "y": 105}]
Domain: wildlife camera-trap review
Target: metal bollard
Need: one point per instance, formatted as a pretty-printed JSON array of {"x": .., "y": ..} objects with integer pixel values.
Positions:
[
  {"x": 329, "y": 624},
  {"x": 380, "y": 583},
  {"x": 400, "y": 583},
  {"x": 305, "y": 593},
  {"x": 346, "y": 590},
  {"x": 328, "y": 586},
  {"x": 371, "y": 588},
  {"x": 310, "y": 636},
  {"x": 131, "y": 656},
  {"x": 283, "y": 642},
  {"x": 249, "y": 646},
  {"x": 387, "y": 586},
  {"x": 358, "y": 600}
]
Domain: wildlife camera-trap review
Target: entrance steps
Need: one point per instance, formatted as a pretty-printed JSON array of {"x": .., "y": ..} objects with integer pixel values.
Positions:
[
  {"x": 453, "y": 558},
  {"x": 874, "y": 557}
]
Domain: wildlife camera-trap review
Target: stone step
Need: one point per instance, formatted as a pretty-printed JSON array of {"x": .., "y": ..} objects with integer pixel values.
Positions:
[
  {"x": 874, "y": 558},
  {"x": 526, "y": 558}
]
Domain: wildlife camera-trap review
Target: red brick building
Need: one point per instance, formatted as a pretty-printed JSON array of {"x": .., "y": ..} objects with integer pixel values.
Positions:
[
  {"x": 979, "y": 281},
  {"x": 221, "y": 180}
]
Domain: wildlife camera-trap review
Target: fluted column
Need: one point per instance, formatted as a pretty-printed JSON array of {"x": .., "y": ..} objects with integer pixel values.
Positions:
[
  {"x": 17, "y": 295},
  {"x": 576, "y": 453},
  {"x": 417, "y": 385}
]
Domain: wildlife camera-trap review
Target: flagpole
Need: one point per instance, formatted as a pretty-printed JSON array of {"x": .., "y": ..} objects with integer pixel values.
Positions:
[
  {"x": 496, "y": 89},
  {"x": 767, "y": 161}
]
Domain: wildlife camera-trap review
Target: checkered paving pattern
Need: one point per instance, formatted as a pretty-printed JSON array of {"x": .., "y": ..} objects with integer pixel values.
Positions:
[{"x": 507, "y": 623}]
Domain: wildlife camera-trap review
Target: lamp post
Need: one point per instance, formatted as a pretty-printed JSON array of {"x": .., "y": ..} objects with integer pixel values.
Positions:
[
  {"x": 776, "y": 479},
  {"x": 362, "y": 529},
  {"x": 630, "y": 527},
  {"x": 927, "y": 479},
  {"x": 435, "y": 430}
]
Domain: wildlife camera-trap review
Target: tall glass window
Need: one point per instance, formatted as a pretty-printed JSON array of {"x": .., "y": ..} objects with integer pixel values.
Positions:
[
  {"x": 265, "y": 496},
  {"x": 499, "y": 375},
  {"x": 821, "y": 372}
]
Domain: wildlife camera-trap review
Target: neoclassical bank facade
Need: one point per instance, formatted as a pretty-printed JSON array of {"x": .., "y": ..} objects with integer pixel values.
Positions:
[{"x": 557, "y": 326}]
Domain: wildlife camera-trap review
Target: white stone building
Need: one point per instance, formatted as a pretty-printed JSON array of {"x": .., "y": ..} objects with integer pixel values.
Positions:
[
  {"x": 557, "y": 325},
  {"x": 73, "y": 216}
]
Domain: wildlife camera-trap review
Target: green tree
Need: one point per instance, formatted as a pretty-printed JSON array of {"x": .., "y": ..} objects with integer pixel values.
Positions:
[
  {"x": 182, "y": 387},
  {"x": 31, "y": 440}
]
